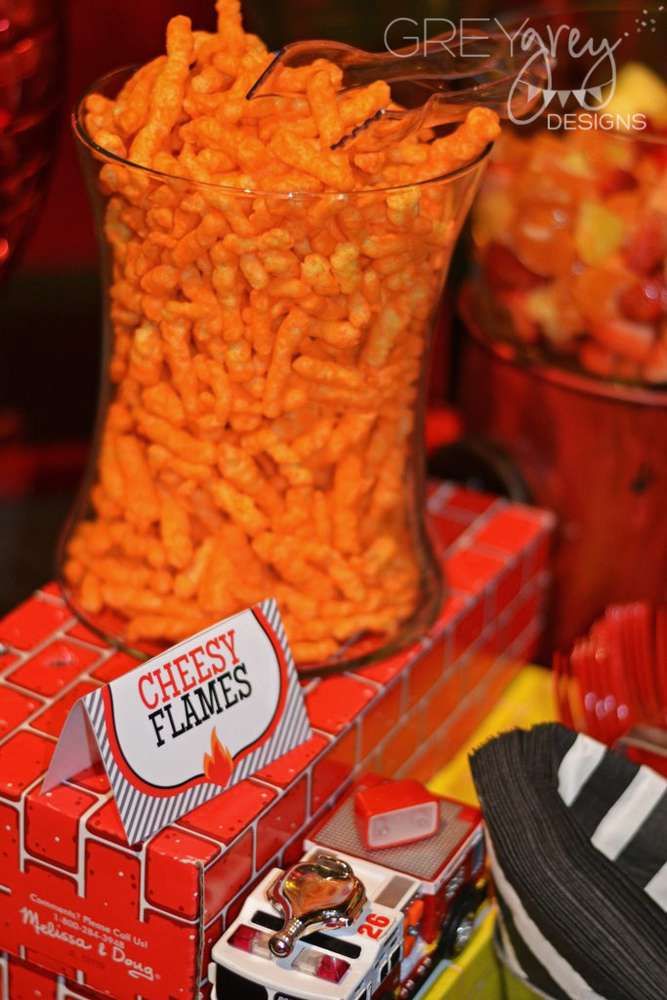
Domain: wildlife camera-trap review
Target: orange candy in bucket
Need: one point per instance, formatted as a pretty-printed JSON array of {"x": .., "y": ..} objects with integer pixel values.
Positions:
[{"x": 269, "y": 303}]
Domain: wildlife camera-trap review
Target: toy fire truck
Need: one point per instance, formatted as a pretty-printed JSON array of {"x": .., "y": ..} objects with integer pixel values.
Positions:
[{"x": 349, "y": 922}]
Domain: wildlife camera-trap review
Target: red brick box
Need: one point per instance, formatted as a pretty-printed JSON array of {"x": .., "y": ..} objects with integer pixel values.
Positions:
[{"x": 84, "y": 915}]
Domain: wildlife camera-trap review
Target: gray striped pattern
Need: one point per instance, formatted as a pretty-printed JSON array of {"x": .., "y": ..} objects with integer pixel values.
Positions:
[{"x": 143, "y": 815}]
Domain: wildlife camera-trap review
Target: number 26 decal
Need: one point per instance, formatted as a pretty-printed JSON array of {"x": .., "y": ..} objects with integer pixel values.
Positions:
[{"x": 375, "y": 924}]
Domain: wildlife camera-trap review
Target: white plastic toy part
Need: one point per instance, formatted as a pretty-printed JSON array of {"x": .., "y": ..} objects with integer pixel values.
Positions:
[{"x": 400, "y": 826}]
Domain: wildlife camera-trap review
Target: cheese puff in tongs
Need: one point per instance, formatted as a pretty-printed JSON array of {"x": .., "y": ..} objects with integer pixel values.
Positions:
[{"x": 390, "y": 96}]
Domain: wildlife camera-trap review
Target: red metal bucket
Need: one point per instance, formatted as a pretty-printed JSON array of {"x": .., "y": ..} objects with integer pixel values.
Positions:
[{"x": 596, "y": 454}]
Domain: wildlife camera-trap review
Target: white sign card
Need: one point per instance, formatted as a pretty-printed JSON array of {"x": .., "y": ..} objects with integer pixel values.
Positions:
[{"x": 194, "y": 720}]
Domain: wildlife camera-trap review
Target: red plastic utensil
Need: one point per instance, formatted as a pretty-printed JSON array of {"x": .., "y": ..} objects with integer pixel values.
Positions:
[{"x": 615, "y": 678}]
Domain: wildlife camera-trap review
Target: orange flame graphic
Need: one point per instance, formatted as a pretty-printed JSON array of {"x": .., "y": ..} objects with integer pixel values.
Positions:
[{"x": 219, "y": 763}]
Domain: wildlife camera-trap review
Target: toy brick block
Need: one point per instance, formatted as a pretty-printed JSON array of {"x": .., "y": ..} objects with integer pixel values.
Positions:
[
  {"x": 23, "y": 759},
  {"x": 281, "y": 823},
  {"x": 335, "y": 701},
  {"x": 26, "y": 982},
  {"x": 52, "y": 719},
  {"x": 54, "y": 667},
  {"x": 226, "y": 816},
  {"x": 175, "y": 861},
  {"x": 52, "y": 824},
  {"x": 113, "y": 880},
  {"x": 334, "y": 768},
  {"x": 283, "y": 771},
  {"x": 105, "y": 823},
  {"x": 380, "y": 718},
  {"x": 16, "y": 708},
  {"x": 227, "y": 876},
  {"x": 32, "y": 622}
]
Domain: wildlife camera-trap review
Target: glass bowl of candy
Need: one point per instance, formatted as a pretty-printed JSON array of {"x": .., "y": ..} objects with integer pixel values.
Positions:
[{"x": 570, "y": 241}]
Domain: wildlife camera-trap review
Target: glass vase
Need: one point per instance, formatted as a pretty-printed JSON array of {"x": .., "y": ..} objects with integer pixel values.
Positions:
[{"x": 260, "y": 427}]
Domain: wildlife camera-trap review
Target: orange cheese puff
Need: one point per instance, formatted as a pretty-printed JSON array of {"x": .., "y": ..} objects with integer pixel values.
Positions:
[
  {"x": 252, "y": 578},
  {"x": 370, "y": 163},
  {"x": 74, "y": 571},
  {"x": 297, "y": 509},
  {"x": 209, "y": 79},
  {"x": 332, "y": 168},
  {"x": 344, "y": 398},
  {"x": 103, "y": 506},
  {"x": 214, "y": 593},
  {"x": 337, "y": 333},
  {"x": 345, "y": 265},
  {"x": 161, "y": 581},
  {"x": 175, "y": 532},
  {"x": 409, "y": 153},
  {"x": 266, "y": 440},
  {"x": 163, "y": 627},
  {"x": 382, "y": 336},
  {"x": 187, "y": 581},
  {"x": 321, "y": 93},
  {"x": 287, "y": 337},
  {"x": 348, "y": 479},
  {"x": 316, "y": 272},
  {"x": 387, "y": 491},
  {"x": 160, "y": 458},
  {"x": 142, "y": 502},
  {"x": 190, "y": 247},
  {"x": 293, "y": 80},
  {"x": 241, "y": 508},
  {"x": 378, "y": 554},
  {"x": 340, "y": 571},
  {"x": 403, "y": 207},
  {"x": 120, "y": 570},
  {"x": 240, "y": 468},
  {"x": 90, "y": 594},
  {"x": 321, "y": 517},
  {"x": 176, "y": 346},
  {"x": 328, "y": 372},
  {"x": 161, "y": 400},
  {"x": 182, "y": 444},
  {"x": 111, "y": 475},
  {"x": 378, "y": 622},
  {"x": 285, "y": 557},
  {"x": 99, "y": 539},
  {"x": 133, "y": 102},
  {"x": 146, "y": 355},
  {"x": 281, "y": 263},
  {"x": 128, "y": 540},
  {"x": 301, "y": 604},
  {"x": 313, "y": 652},
  {"x": 167, "y": 94},
  {"x": 213, "y": 374},
  {"x": 314, "y": 629},
  {"x": 480, "y": 127},
  {"x": 315, "y": 439},
  {"x": 238, "y": 359},
  {"x": 360, "y": 105},
  {"x": 205, "y": 517},
  {"x": 244, "y": 423}
]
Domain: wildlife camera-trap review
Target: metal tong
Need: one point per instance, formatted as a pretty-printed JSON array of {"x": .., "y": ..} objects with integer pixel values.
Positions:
[{"x": 447, "y": 78}]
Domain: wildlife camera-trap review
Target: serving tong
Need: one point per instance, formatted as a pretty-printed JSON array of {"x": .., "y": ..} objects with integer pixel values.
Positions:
[{"x": 441, "y": 81}]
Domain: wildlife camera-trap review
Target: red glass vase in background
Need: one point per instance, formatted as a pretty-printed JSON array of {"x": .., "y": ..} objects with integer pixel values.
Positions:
[{"x": 31, "y": 89}]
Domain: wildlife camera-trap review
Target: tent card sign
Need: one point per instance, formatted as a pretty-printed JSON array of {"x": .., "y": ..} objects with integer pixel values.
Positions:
[{"x": 193, "y": 721}]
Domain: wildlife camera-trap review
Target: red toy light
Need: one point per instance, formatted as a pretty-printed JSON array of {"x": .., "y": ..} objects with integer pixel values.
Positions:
[{"x": 391, "y": 813}]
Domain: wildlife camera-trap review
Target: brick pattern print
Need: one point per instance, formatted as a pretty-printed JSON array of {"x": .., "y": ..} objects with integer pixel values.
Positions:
[{"x": 176, "y": 892}]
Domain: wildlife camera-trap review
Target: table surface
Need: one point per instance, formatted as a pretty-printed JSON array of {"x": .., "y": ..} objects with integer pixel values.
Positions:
[{"x": 527, "y": 701}]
